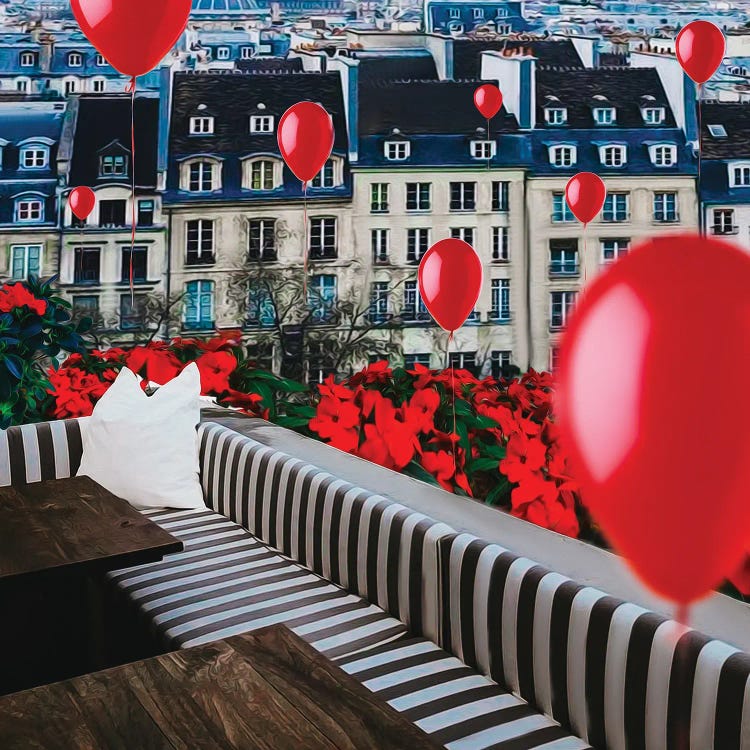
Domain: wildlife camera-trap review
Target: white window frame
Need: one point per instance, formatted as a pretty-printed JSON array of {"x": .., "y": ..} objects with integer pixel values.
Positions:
[
  {"x": 380, "y": 243},
  {"x": 223, "y": 53},
  {"x": 23, "y": 85},
  {"x": 205, "y": 168},
  {"x": 621, "y": 247},
  {"x": 31, "y": 205},
  {"x": 113, "y": 172},
  {"x": 263, "y": 169},
  {"x": 261, "y": 124},
  {"x": 211, "y": 290},
  {"x": 201, "y": 125},
  {"x": 662, "y": 196},
  {"x": 657, "y": 152},
  {"x": 329, "y": 227},
  {"x": 605, "y": 115},
  {"x": 556, "y": 115},
  {"x": 568, "y": 302},
  {"x": 379, "y": 197},
  {"x": 72, "y": 56},
  {"x": 101, "y": 61},
  {"x": 380, "y": 301},
  {"x": 719, "y": 218},
  {"x": 561, "y": 148},
  {"x": 717, "y": 131},
  {"x": 38, "y": 152},
  {"x": 478, "y": 13},
  {"x": 70, "y": 86},
  {"x": 617, "y": 216},
  {"x": 454, "y": 13},
  {"x": 420, "y": 204},
  {"x": 246, "y": 53},
  {"x": 743, "y": 167},
  {"x": 653, "y": 115},
  {"x": 613, "y": 155},
  {"x": 330, "y": 175},
  {"x": 24, "y": 249},
  {"x": 205, "y": 226},
  {"x": 397, "y": 150},
  {"x": 467, "y": 234},
  {"x": 499, "y": 289},
  {"x": 418, "y": 239},
  {"x": 27, "y": 59},
  {"x": 483, "y": 150},
  {"x": 98, "y": 85},
  {"x": 500, "y": 244}
]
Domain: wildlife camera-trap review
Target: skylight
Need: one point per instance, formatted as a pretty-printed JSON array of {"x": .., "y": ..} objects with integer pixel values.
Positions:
[{"x": 717, "y": 131}]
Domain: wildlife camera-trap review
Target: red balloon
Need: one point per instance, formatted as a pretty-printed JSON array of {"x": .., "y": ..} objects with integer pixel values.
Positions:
[
  {"x": 82, "y": 201},
  {"x": 700, "y": 49},
  {"x": 450, "y": 279},
  {"x": 488, "y": 99},
  {"x": 133, "y": 35},
  {"x": 662, "y": 454},
  {"x": 585, "y": 194},
  {"x": 305, "y": 136}
]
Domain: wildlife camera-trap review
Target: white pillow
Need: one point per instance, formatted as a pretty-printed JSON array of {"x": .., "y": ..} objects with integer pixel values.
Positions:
[{"x": 144, "y": 449}]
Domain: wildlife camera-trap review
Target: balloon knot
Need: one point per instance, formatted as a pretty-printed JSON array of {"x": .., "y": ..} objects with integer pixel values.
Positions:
[{"x": 130, "y": 87}]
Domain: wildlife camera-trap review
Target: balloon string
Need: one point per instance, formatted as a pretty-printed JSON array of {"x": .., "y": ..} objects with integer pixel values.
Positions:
[
  {"x": 489, "y": 153},
  {"x": 701, "y": 223},
  {"x": 585, "y": 252},
  {"x": 306, "y": 248},
  {"x": 682, "y": 730},
  {"x": 131, "y": 87},
  {"x": 448, "y": 363}
]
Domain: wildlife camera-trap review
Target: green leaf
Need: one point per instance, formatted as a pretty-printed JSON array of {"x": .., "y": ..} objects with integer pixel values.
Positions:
[
  {"x": 482, "y": 464},
  {"x": 417, "y": 471},
  {"x": 292, "y": 423},
  {"x": 499, "y": 493}
]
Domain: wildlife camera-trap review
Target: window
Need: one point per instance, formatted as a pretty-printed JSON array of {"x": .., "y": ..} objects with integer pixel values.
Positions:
[
  {"x": 34, "y": 157},
  {"x": 322, "y": 298},
  {"x": 75, "y": 59},
  {"x": 613, "y": 156},
  {"x": 319, "y": 365},
  {"x": 418, "y": 196},
  {"x": 663, "y": 155},
  {"x": 132, "y": 312},
  {"x": 85, "y": 306},
  {"x": 739, "y": 175},
  {"x": 86, "y": 262},
  {"x": 145, "y": 213},
  {"x": 326, "y": 178},
  {"x": 113, "y": 165},
  {"x": 612, "y": 249},
  {"x": 560, "y": 210},
  {"x": 500, "y": 200},
  {"x": 246, "y": 53},
  {"x": 70, "y": 86},
  {"x": 140, "y": 265},
  {"x": 323, "y": 238},
  {"x": 261, "y": 310},
  {"x": 463, "y": 233},
  {"x": 500, "y": 246},
  {"x": 500, "y": 300},
  {"x": 262, "y": 243},
  {"x": 717, "y": 131},
  {"x": 261, "y": 175},
  {"x": 556, "y": 115},
  {"x": 201, "y": 179},
  {"x": 28, "y": 59},
  {"x": 616, "y": 207},
  {"x": 397, "y": 150},
  {"x": 478, "y": 13},
  {"x": 653, "y": 115},
  {"x": 97, "y": 85},
  {"x": 201, "y": 125},
  {"x": 22, "y": 85},
  {"x": 412, "y": 360},
  {"x": 483, "y": 149},
  {"x": 454, "y": 13},
  {"x": 463, "y": 196},
  {"x": 200, "y": 242},
  {"x": 561, "y": 304},
  {"x": 199, "y": 305},
  {"x": 417, "y": 244},
  {"x": 563, "y": 257},
  {"x": 29, "y": 209},
  {"x": 414, "y": 309},
  {"x": 604, "y": 115},
  {"x": 101, "y": 61},
  {"x": 222, "y": 53},
  {"x": 554, "y": 358},
  {"x": 724, "y": 221},
  {"x": 562, "y": 156},
  {"x": 112, "y": 213},
  {"x": 25, "y": 261},
  {"x": 379, "y": 198},
  {"x": 379, "y": 298},
  {"x": 464, "y": 361},
  {"x": 261, "y": 124},
  {"x": 501, "y": 364},
  {"x": 665, "y": 207},
  {"x": 379, "y": 240}
]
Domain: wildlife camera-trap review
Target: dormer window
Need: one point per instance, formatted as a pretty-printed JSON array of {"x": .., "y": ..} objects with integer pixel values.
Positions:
[
  {"x": 483, "y": 149},
  {"x": 663, "y": 154},
  {"x": 604, "y": 115},
  {"x": 397, "y": 150},
  {"x": 113, "y": 165},
  {"x": 613, "y": 155},
  {"x": 262, "y": 173},
  {"x": 201, "y": 125},
  {"x": 29, "y": 209},
  {"x": 717, "y": 131},
  {"x": 556, "y": 115},
  {"x": 739, "y": 174},
  {"x": 261, "y": 124},
  {"x": 101, "y": 61},
  {"x": 562, "y": 155},
  {"x": 34, "y": 156},
  {"x": 331, "y": 175},
  {"x": 454, "y": 13},
  {"x": 222, "y": 53},
  {"x": 75, "y": 59},
  {"x": 201, "y": 177},
  {"x": 478, "y": 13},
  {"x": 653, "y": 115},
  {"x": 28, "y": 59}
]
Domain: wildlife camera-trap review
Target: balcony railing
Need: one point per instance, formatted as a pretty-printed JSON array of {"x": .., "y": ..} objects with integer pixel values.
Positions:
[
  {"x": 318, "y": 253},
  {"x": 564, "y": 268},
  {"x": 725, "y": 229}
]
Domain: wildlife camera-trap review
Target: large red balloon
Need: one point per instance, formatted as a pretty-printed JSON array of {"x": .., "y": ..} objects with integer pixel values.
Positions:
[
  {"x": 661, "y": 451},
  {"x": 133, "y": 35},
  {"x": 305, "y": 136},
  {"x": 585, "y": 194},
  {"x": 488, "y": 99},
  {"x": 82, "y": 201},
  {"x": 450, "y": 279},
  {"x": 700, "y": 49}
]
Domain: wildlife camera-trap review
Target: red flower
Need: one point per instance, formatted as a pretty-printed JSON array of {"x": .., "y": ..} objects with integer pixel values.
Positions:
[
  {"x": 75, "y": 392},
  {"x": 536, "y": 500},
  {"x": 740, "y": 579},
  {"x": 399, "y": 435},
  {"x": 502, "y": 415},
  {"x": 523, "y": 456},
  {"x": 375, "y": 449},
  {"x": 441, "y": 465},
  {"x": 377, "y": 372},
  {"x": 215, "y": 368},
  {"x": 17, "y": 295},
  {"x": 329, "y": 387},
  {"x": 154, "y": 362},
  {"x": 422, "y": 407},
  {"x": 336, "y": 421},
  {"x": 250, "y": 403}
]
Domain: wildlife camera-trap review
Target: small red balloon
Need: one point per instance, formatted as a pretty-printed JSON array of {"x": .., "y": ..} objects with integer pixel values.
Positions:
[
  {"x": 585, "y": 194},
  {"x": 488, "y": 99},
  {"x": 305, "y": 136},
  {"x": 700, "y": 49},
  {"x": 663, "y": 461},
  {"x": 133, "y": 35},
  {"x": 82, "y": 201},
  {"x": 450, "y": 279}
]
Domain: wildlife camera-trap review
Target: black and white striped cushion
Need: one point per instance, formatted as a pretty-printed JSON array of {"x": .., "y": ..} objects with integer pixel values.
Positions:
[
  {"x": 615, "y": 674},
  {"x": 460, "y": 708},
  {"x": 370, "y": 545},
  {"x": 33, "y": 452},
  {"x": 227, "y": 582}
]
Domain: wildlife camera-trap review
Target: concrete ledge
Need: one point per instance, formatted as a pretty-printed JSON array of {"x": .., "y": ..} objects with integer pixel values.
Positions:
[{"x": 719, "y": 616}]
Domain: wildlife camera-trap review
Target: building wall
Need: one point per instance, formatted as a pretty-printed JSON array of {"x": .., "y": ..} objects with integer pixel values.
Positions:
[
  {"x": 738, "y": 231},
  {"x": 47, "y": 239}
]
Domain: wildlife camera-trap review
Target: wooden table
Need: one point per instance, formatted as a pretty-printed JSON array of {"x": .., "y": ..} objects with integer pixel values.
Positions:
[
  {"x": 57, "y": 538},
  {"x": 267, "y": 690}
]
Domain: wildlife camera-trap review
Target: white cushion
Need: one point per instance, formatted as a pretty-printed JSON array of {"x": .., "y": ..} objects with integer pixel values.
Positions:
[{"x": 144, "y": 449}]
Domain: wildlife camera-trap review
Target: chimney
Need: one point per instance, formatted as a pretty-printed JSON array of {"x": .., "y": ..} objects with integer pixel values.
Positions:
[
  {"x": 165, "y": 115},
  {"x": 348, "y": 70},
  {"x": 514, "y": 70}
]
